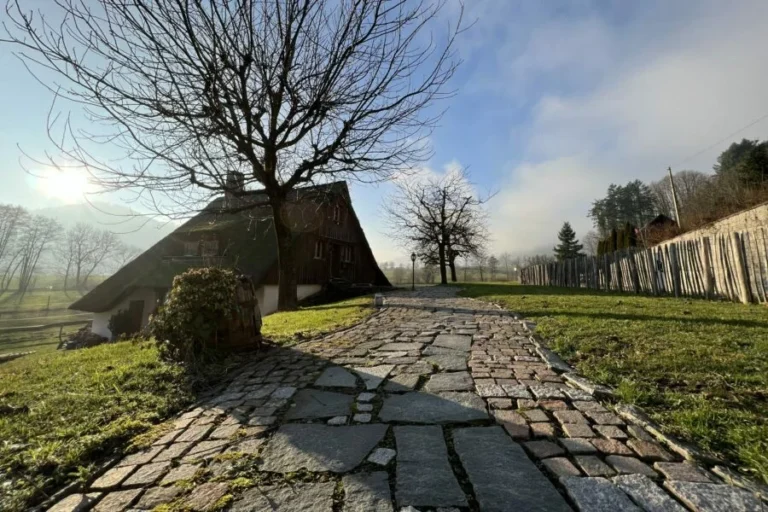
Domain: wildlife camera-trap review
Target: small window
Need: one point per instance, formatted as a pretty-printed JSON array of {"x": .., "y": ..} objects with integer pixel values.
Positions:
[
  {"x": 190, "y": 248},
  {"x": 337, "y": 214},
  {"x": 347, "y": 254},
  {"x": 319, "y": 250},
  {"x": 210, "y": 248}
]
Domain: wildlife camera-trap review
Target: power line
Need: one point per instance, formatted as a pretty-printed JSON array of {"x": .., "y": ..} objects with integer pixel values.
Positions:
[{"x": 753, "y": 123}]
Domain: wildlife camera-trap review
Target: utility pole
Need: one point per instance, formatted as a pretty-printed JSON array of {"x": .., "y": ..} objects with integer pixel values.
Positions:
[{"x": 674, "y": 198}]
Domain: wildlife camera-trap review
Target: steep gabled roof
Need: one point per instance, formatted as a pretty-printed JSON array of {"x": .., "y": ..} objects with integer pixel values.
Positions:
[{"x": 248, "y": 235}]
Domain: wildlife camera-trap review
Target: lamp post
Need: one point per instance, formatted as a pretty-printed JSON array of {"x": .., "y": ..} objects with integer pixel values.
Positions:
[{"x": 413, "y": 271}]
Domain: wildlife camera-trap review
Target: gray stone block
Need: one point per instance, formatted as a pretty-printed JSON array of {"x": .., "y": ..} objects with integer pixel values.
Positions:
[
  {"x": 597, "y": 495},
  {"x": 647, "y": 494},
  {"x": 502, "y": 475},
  {"x": 320, "y": 447},
  {"x": 448, "y": 407}
]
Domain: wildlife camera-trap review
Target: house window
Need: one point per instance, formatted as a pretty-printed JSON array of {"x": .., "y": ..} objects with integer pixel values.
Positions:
[
  {"x": 190, "y": 248},
  {"x": 319, "y": 250},
  {"x": 337, "y": 214},
  {"x": 346, "y": 254},
  {"x": 210, "y": 248}
]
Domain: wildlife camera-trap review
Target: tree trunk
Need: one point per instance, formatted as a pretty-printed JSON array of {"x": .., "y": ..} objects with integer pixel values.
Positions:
[
  {"x": 441, "y": 254},
  {"x": 287, "y": 300},
  {"x": 452, "y": 265}
]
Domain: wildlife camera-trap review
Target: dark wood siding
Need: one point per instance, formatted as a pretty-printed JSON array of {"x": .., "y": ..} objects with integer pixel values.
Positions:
[{"x": 337, "y": 236}]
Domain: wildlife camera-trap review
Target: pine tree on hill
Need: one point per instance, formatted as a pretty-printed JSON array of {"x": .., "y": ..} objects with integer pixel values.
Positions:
[{"x": 568, "y": 247}]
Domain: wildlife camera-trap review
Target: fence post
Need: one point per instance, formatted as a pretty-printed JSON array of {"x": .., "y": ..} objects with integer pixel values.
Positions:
[
  {"x": 706, "y": 264},
  {"x": 651, "y": 262},
  {"x": 633, "y": 271},
  {"x": 741, "y": 269},
  {"x": 619, "y": 273},
  {"x": 675, "y": 268}
]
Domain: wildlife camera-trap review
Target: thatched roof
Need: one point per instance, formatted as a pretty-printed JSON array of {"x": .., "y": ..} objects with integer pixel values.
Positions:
[{"x": 246, "y": 242}]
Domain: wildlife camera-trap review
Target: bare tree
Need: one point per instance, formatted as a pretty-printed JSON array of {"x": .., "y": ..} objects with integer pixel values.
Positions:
[
  {"x": 12, "y": 218},
  {"x": 481, "y": 260},
  {"x": 283, "y": 92},
  {"x": 688, "y": 185},
  {"x": 507, "y": 263},
  {"x": 493, "y": 265},
  {"x": 399, "y": 274},
  {"x": 36, "y": 236},
  {"x": 428, "y": 274},
  {"x": 590, "y": 241},
  {"x": 85, "y": 250},
  {"x": 440, "y": 218}
]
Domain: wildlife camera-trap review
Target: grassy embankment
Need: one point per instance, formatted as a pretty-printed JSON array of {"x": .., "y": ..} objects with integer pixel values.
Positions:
[
  {"x": 699, "y": 367},
  {"x": 60, "y": 412}
]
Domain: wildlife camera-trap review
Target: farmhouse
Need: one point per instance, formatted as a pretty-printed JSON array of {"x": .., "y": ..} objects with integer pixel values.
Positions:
[{"x": 236, "y": 231}]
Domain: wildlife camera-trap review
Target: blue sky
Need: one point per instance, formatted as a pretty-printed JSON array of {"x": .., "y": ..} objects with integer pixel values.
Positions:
[{"x": 555, "y": 100}]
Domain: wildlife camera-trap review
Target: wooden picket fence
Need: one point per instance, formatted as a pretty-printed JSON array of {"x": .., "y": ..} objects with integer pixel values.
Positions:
[{"x": 731, "y": 266}]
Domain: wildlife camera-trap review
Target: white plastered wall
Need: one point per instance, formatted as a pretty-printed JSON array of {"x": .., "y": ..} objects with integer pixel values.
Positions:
[
  {"x": 267, "y": 296},
  {"x": 101, "y": 320}
]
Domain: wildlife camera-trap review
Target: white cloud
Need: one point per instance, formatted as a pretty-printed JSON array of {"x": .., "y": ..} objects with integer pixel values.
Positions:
[{"x": 653, "y": 106}]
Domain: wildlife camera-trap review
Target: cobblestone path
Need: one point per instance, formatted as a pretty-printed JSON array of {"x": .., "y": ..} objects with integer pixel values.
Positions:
[{"x": 433, "y": 403}]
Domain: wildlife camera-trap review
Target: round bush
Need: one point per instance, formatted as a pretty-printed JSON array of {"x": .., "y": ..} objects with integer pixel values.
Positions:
[{"x": 198, "y": 305}]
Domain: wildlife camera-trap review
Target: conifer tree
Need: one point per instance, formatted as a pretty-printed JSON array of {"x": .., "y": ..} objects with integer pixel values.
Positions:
[{"x": 568, "y": 247}]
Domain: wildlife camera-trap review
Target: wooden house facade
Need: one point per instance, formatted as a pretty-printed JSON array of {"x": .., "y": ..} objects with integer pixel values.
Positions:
[{"x": 329, "y": 242}]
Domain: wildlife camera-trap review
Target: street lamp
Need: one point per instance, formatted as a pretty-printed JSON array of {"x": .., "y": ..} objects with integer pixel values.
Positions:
[{"x": 413, "y": 271}]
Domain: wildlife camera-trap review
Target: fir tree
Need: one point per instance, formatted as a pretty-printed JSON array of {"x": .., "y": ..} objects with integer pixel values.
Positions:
[{"x": 568, "y": 247}]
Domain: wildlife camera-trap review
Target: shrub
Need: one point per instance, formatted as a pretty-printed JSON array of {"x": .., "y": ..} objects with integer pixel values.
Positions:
[
  {"x": 199, "y": 303},
  {"x": 121, "y": 323}
]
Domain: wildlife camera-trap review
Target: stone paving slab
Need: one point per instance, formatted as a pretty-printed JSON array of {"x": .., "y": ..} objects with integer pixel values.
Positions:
[
  {"x": 702, "y": 497},
  {"x": 597, "y": 494},
  {"x": 502, "y": 476},
  {"x": 453, "y": 381},
  {"x": 320, "y": 447},
  {"x": 453, "y": 341},
  {"x": 424, "y": 474},
  {"x": 448, "y": 407},
  {"x": 301, "y": 497},
  {"x": 647, "y": 494},
  {"x": 336, "y": 377},
  {"x": 367, "y": 492},
  {"x": 448, "y": 362},
  {"x": 374, "y": 375},
  {"x": 313, "y": 403}
]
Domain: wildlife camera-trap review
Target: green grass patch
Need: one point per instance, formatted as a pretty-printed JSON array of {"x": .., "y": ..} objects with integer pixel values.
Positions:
[
  {"x": 34, "y": 341},
  {"x": 284, "y": 327},
  {"x": 699, "y": 367},
  {"x": 12, "y": 301},
  {"x": 61, "y": 411}
]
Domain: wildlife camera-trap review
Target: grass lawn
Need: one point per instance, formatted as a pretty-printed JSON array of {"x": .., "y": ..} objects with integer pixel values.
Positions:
[
  {"x": 314, "y": 320},
  {"x": 45, "y": 339},
  {"x": 37, "y": 300},
  {"x": 60, "y": 412},
  {"x": 699, "y": 367}
]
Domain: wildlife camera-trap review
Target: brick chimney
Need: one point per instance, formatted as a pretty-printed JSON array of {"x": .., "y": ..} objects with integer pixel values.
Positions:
[{"x": 235, "y": 184}]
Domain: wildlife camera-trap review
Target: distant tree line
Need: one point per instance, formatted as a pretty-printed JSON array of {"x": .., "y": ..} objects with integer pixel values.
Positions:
[
  {"x": 31, "y": 245},
  {"x": 480, "y": 267},
  {"x": 740, "y": 181}
]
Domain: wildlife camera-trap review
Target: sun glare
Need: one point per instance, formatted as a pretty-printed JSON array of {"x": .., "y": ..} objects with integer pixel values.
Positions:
[{"x": 66, "y": 185}]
